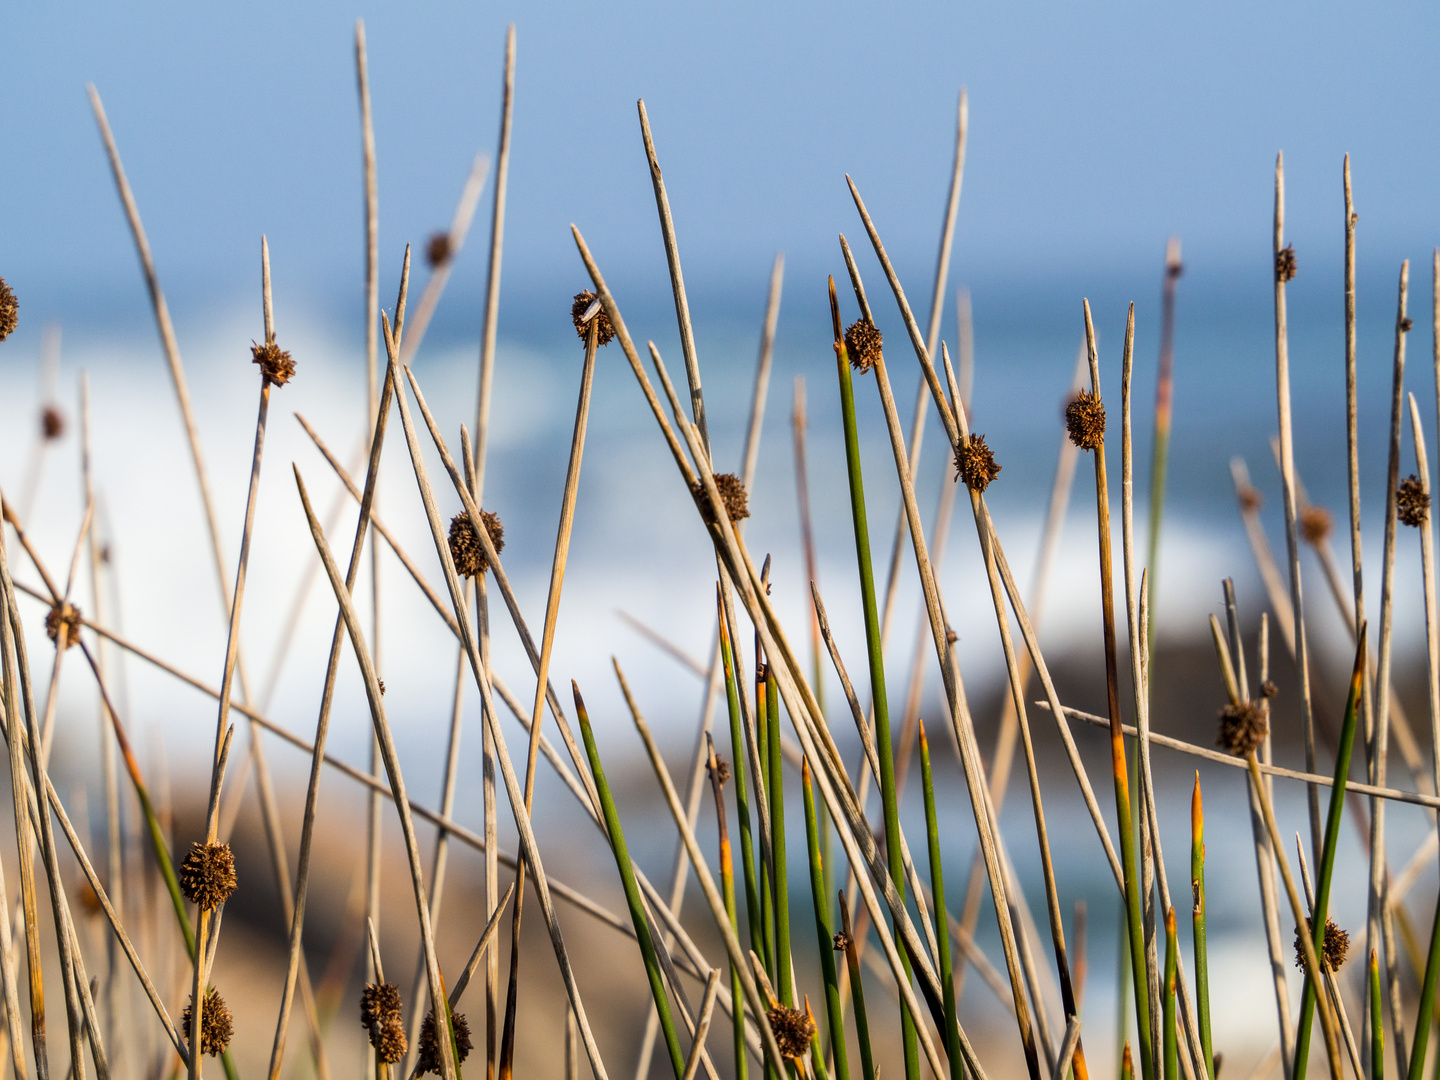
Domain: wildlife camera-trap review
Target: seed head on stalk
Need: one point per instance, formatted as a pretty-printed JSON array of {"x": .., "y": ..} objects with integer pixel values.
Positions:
[
  {"x": 275, "y": 363},
  {"x": 604, "y": 328},
  {"x": 207, "y": 874},
  {"x": 9, "y": 310},
  {"x": 216, "y": 1026},
  {"x": 1412, "y": 502},
  {"x": 466, "y": 550},
  {"x": 380, "y": 1016},
  {"x": 1085, "y": 420}
]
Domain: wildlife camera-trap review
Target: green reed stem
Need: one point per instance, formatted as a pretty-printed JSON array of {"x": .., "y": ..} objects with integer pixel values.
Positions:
[
  {"x": 1319, "y": 913},
  {"x": 1377, "y": 1025},
  {"x": 824, "y": 933},
  {"x": 742, "y": 797},
  {"x": 1425, "y": 1017},
  {"x": 727, "y": 887},
  {"x": 942, "y": 929},
  {"x": 1172, "y": 952},
  {"x": 784, "y": 977},
  {"x": 876, "y": 655},
  {"x": 1202, "y": 955},
  {"x": 767, "y": 866},
  {"x": 857, "y": 990},
  {"x": 632, "y": 891}
]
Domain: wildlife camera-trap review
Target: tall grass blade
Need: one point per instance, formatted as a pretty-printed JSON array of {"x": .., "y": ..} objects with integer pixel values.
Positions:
[{"x": 632, "y": 890}]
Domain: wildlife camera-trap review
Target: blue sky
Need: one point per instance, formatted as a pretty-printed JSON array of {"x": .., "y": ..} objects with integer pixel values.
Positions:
[{"x": 1096, "y": 131}]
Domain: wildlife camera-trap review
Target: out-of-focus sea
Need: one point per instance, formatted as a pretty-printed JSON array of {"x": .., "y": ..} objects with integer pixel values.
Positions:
[{"x": 638, "y": 547}]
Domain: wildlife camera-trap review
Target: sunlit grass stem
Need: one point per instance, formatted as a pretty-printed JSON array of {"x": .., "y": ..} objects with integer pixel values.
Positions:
[
  {"x": 1202, "y": 955},
  {"x": 632, "y": 890},
  {"x": 876, "y": 656},
  {"x": 824, "y": 933},
  {"x": 942, "y": 931},
  {"x": 1327, "y": 858}
]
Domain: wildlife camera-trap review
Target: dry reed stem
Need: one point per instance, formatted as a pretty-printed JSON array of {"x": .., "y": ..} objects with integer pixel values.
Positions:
[
  {"x": 762, "y": 372},
  {"x": 986, "y": 826},
  {"x": 702, "y": 1025},
  {"x": 932, "y": 341},
  {"x": 1302, "y": 931},
  {"x": 1427, "y": 568},
  {"x": 1016, "y": 602},
  {"x": 232, "y": 647},
  {"x": 715, "y": 674},
  {"x": 440, "y": 277},
  {"x": 738, "y": 957},
  {"x": 392, "y": 764},
  {"x": 547, "y": 641},
  {"x": 167, "y": 335},
  {"x": 440, "y": 859},
  {"x": 1287, "y": 477},
  {"x": 372, "y": 225},
  {"x": 1379, "y": 735},
  {"x": 322, "y": 728},
  {"x": 800, "y": 704},
  {"x": 872, "y": 760},
  {"x": 492, "y": 274},
  {"x": 1332, "y": 985},
  {"x": 1137, "y": 602},
  {"x": 1399, "y": 721},
  {"x": 522, "y": 819},
  {"x": 487, "y": 938},
  {"x": 677, "y": 279},
  {"x": 1414, "y": 798},
  {"x": 1003, "y": 755},
  {"x": 114, "y": 862},
  {"x": 1017, "y": 680},
  {"x": 737, "y": 563},
  {"x": 472, "y": 510},
  {"x": 9, "y": 646},
  {"x": 440, "y": 821},
  {"x": 9, "y": 978},
  {"x": 1068, "y": 1048}
]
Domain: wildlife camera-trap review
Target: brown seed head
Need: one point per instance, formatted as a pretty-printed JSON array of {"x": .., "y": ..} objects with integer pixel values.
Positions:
[
  {"x": 975, "y": 464},
  {"x": 605, "y": 329},
  {"x": 841, "y": 941},
  {"x": 720, "y": 770},
  {"x": 9, "y": 311},
  {"x": 1316, "y": 524},
  {"x": 1268, "y": 689},
  {"x": 62, "y": 624},
  {"x": 1243, "y": 727},
  {"x": 381, "y": 1018},
  {"x": 1407, "y": 324},
  {"x": 437, "y": 250},
  {"x": 1085, "y": 420},
  {"x": 732, "y": 494},
  {"x": 864, "y": 343},
  {"x": 465, "y": 547},
  {"x": 1285, "y": 263},
  {"x": 1332, "y": 950},
  {"x": 52, "y": 423},
  {"x": 216, "y": 1027},
  {"x": 427, "y": 1059},
  {"x": 1412, "y": 503},
  {"x": 793, "y": 1030},
  {"x": 207, "y": 876},
  {"x": 1250, "y": 499},
  {"x": 275, "y": 363}
]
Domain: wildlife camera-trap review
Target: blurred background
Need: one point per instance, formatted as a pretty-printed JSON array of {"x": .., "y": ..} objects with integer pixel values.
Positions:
[{"x": 1095, "y": 135}]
